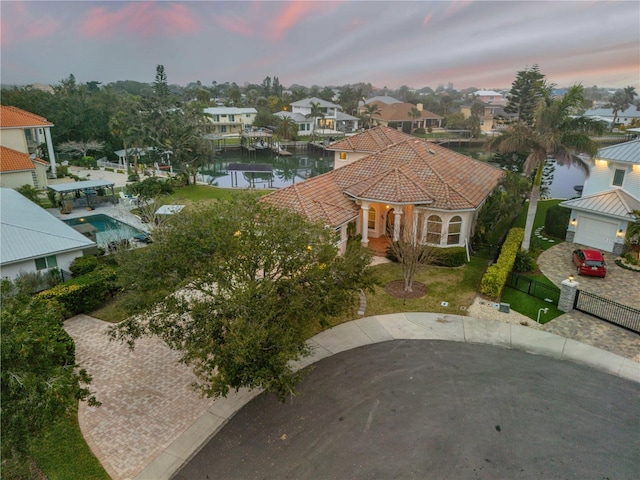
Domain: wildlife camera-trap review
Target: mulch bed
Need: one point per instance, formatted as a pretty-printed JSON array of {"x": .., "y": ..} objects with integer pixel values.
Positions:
[{"x": 396, "y": 289}]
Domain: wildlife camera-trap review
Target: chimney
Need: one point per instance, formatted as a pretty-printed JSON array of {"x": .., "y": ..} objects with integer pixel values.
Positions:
[{"x": 419, "y": 106}]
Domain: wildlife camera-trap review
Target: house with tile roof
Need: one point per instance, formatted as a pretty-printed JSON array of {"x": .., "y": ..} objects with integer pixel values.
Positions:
[
  {"x": 18, "y": 169},
  {"x": 24, "y": 133},
  {"x": 399, "y": 115},
  {"x": 394, "y": 181},
  {"x": 601, "y": 216},
  {"x": 333, "y": 122},
  {"x": 33, "y": 240}
]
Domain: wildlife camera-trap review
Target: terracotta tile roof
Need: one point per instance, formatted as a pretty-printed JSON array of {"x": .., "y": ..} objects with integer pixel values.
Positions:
[
  {"x": 370, "y": 141},
  {"x": 14, "y": 161},
  {"x": 13, "y": 117},
  {"x": 411, "y": 171}
]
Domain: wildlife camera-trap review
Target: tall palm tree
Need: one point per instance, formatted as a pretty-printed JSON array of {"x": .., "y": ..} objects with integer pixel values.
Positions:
[
  {"x": 369, "y": 111},
  {"x": 315, "y": 113},
  {"x": 414, "y": 113},
  {"x": 555, "y": 134}
]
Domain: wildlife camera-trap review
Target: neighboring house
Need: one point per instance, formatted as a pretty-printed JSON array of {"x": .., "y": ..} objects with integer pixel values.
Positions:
[
  {"x": 406, "y": 183},
  {"x": 18, "y": 169},
  {"x": 33, "y": 240},
  {"x": 26, "y": 132},
  {"x": 625, "y": 117},
  {"x": 230, "y": 120},
  {"x": 399, "y": 114},
  {"x": 487, "y": 121},
  {"x": 599, "y": 219},
  {"x": 490, "y": 96},
  {"x": 332, "y": 121}
]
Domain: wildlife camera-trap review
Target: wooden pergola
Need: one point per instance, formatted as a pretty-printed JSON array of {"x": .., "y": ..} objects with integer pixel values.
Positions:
[{"x": 88, "y": 188}]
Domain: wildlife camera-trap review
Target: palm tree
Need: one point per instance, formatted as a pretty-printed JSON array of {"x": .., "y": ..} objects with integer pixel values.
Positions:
[
  {"x": 286, "y": 129},
  {"x": 414, "y": 113},
  {"x": 316, "y": 112},
  {"x": 555, "y": 134},
  {"x": 369, "y": 111}
]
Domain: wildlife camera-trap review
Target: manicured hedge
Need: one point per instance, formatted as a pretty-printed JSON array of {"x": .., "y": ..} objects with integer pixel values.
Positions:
[
  {"x": 496, "y": 275},
  {"x": 83, "y": 265},
  {"x": 556, "y": 221},
  {"x": 83, "y": 294}
]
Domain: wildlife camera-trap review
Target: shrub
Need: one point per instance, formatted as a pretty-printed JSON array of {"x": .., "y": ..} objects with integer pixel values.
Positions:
[
  {"x": 419, "y": 131},
  {"x": 525, "y": 262},
  {"x": 83, "y": 294},
  {"x": 556, "y": 221},
  {"x": 496, "y": 275},
  {"x": 451, "y": 257},
  {"x": 108, "y": 169},
  {"x": 62, "y": 171},
  {"x": 83, "y": 265}
]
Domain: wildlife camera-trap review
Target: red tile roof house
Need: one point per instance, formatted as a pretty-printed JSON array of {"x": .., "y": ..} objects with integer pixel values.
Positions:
[
  {"x": 21, "y": 135},
  {"x": 384, "y": 180}
]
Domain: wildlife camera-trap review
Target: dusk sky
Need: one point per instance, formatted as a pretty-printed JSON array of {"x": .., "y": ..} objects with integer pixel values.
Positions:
[{"x": 468, "y": 43}]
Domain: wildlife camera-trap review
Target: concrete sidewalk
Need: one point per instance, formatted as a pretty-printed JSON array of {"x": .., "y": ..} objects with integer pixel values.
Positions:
[{"x": 366, "y": 331}]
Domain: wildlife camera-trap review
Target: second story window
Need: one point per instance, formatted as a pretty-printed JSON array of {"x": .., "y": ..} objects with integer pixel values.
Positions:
[{"x": 618, "y": 177}]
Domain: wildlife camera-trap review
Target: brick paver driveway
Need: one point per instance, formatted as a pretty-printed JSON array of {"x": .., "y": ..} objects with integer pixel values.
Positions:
[
  {"x": 620, "y": 285},
  {"x": 147, "y": 401}
]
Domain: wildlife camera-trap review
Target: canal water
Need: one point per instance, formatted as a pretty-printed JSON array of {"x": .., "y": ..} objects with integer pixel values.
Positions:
[{"x": 286, "y": 170}]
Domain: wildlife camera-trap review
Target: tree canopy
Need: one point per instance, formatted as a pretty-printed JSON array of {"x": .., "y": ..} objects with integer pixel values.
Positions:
[
  {"x": 237, "y": 287},
  {"x": 39, "y": 378}
]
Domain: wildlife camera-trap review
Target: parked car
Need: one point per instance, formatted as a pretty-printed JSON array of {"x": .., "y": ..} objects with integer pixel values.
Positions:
[{"x": 589, "y": 262}]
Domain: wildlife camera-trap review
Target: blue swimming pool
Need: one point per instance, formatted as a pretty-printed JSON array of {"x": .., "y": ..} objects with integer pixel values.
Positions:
[{"x": 108, "y": 229}]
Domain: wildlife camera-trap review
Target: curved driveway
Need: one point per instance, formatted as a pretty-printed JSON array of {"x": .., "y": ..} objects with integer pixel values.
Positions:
[{"x": 432, "y": 409}]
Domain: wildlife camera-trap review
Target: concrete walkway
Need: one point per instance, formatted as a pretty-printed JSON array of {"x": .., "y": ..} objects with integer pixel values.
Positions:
[{"x": 151, "y": 421}]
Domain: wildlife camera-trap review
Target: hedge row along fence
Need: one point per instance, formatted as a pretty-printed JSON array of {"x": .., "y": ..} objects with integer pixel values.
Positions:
[
  {"x": 496, "y": 275},
  {"x": 83, "y": 294}
]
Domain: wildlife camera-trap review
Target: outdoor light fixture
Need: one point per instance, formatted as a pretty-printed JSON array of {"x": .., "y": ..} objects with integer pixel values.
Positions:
[
  {"x": 571, "y": 278},
  {"x": 574, "y": 222},
  {"x": 620, "y": 232}
]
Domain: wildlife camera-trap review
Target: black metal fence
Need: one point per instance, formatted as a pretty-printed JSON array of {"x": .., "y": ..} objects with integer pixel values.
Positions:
[
  {"x": 545, "y": 292},
  {"x": 608, "y": 310}
]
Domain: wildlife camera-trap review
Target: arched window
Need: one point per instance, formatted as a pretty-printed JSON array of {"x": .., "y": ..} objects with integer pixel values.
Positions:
[
  {"x": 434, "y": 229},
  {"x": 455, "y": 227}
]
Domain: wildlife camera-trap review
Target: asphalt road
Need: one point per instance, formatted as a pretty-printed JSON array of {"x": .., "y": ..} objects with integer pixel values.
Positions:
[{"x": 434, "y": 410}]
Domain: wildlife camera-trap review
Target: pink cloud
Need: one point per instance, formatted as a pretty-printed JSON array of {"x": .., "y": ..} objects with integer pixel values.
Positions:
[
  {"x": 294, "y": 13},
  {"x": 236, "y": 25},
  {"x": 24, "y": 26},
  {"x": 427, "y": 19},
  {"x": 146, "y": 18}
]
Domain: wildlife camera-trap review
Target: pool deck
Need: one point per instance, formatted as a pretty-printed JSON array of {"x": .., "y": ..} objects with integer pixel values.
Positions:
[{"x": 120, "y": 212}]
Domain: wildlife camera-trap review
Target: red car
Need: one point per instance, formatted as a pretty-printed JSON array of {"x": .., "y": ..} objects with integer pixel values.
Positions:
[{"x": 590, "y": 262}]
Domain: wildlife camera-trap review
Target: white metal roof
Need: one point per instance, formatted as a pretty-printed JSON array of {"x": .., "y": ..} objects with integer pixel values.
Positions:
[
  {"x": 29, "y": 231},
  {"x": 229, "y": 111},
  {"x": 83, "y": 185},
  {"x": 169, "y": 209},
  {"x": 628, "y": 152},
  {"x": 616, "y": 203},
  {"x": 308, "y": 101}
]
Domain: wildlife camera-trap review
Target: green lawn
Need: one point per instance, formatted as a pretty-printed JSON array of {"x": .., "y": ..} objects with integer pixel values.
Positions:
[
  {"x": 457, "y": 286},
  {"x": 198, "y": 193},
  {"x": 62, "y": 453},
  {"x": 528, "y": 305}
]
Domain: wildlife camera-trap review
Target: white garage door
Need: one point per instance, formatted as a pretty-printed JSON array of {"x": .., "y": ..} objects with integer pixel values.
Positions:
[{"x": 596, "y": 233}]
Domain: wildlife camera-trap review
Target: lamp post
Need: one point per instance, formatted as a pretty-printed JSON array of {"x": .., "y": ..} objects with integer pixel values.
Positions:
[{"x": 544, "y": 310}]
